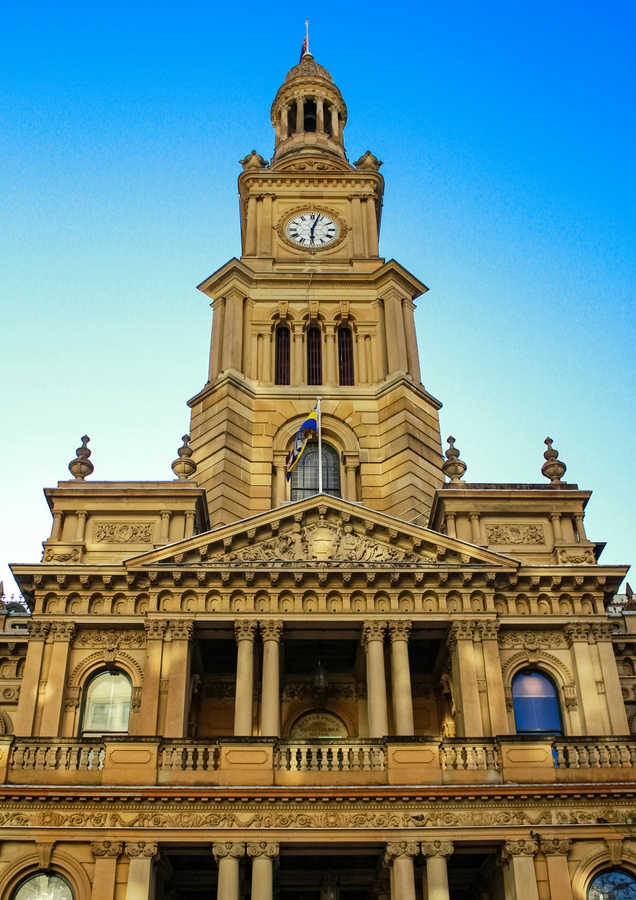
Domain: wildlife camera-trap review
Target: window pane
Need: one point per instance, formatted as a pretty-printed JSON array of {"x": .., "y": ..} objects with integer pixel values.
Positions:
[
  {"x": 345, "y": 356},
  {"x": 44, "y": 886},
  {"x": 535, "y": 704},
  {"x": 304, "y": 480},
  {"x": 314, "y": 355},
  {"x": 612, "y": 885},
  {"x": 281, "y": 365},
  {"x": 108, "y": 699}
]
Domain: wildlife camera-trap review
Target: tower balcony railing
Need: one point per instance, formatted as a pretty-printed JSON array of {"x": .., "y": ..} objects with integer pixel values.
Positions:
[{"x": 129, "y": 760}]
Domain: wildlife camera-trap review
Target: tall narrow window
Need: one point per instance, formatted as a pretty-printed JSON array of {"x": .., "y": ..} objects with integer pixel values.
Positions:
[
  {"x": 345, "y": 356},
  {"x": 310, "y": 115},
  {"x": 107, "y": 702},
  {"x": 304, "y": 479},
  {"x": 535, "y": 704},
  {"x": 281, "y": 366},
  {"x": 314, "y": 355}
]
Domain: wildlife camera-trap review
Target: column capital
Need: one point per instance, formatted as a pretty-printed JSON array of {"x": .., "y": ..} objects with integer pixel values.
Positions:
[
  {"x": 110, "y": 849},
  {"x": 245, "y": 629},
  {"x": 63, "y": 631},
  {"x": 38, "y": 631},
  {"x": 263, "y": 848},
  {"x": 577, "y": 632},
  {"x": 462, "y": 630},
  {"x": 489, "y": 629},
  {"x": 399, "y": 629},
  {"x": 271, "y": 629},
  {"x": 181, "y": 629},
  {"x": 602, "y": 631},
  {"x": 518, "y": 848},
  {"x": 398, "y": 849},
  {"x": 147, "y": 850},
  {"x": 555, "y": 847},
  {"x": 81, "y": 514},
  {"x": 373, "y": 630},
  {"x": 226, "y": 850},
  {"x": 438, "y": 848},
  {"x": 155, "y": 628}
]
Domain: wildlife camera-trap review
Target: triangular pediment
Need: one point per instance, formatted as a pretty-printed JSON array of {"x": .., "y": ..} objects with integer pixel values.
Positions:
[{"x": 322, "y": 530}]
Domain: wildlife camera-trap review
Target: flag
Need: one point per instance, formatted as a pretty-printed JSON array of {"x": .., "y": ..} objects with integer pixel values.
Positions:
[
  {"x": 300, "y": 441},
  {"x": 304, "y": 49}
]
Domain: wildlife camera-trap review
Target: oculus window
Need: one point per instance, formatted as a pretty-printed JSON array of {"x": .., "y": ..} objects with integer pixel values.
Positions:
[
  {"x": 535, "y": 704},
  {"x": 107, "y": 704}
]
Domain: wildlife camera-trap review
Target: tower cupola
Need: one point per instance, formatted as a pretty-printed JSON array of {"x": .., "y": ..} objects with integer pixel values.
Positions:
[{"x": 308, "y": 113}]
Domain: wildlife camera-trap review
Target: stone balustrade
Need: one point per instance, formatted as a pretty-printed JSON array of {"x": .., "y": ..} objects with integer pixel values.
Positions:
[{"x": 341, "y": 756}]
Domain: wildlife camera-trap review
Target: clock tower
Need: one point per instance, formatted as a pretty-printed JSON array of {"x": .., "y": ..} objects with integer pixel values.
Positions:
[{"x": 311, "y": 309}]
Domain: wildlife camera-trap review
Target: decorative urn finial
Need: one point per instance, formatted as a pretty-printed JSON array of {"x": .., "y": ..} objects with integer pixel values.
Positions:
[
  {"x": 81, "y": 466},
  {"x": 454, "y": 467},
  {"x": 184, "y": 467},
  {"x": 552, "y": 468}
]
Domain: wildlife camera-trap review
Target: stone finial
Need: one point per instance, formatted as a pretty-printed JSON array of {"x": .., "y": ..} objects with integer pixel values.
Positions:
[
  {"x": 184, "y": 467},
  {"x": 454, "y": 467},
  {"x": 368, "y": 162},
  {"x": 253, "y": 161},
  {"x": 81, "y": 466},
  {"x": 552, "y": 468}
]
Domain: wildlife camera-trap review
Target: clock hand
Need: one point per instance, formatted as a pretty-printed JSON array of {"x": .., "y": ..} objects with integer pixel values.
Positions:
[{"x": 311, "y": 233}]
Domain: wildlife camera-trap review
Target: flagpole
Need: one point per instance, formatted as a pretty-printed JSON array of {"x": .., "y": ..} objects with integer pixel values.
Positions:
[
  {"x": 319, "y": 423},
  {"x": 307, "y": 33}
]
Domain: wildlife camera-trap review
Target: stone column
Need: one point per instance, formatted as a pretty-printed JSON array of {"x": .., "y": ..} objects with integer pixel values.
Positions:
[
  {"x": 181, "y": 631},
  {"x": 399, "y": 630},
  {"x": 264, "y": 856},
  {"x": 520, "y": 880},
  {"x": 363, "y": 373},
  {"x": 408, "y": 308},
  {"x": 58, "y": 518},
  {"x": 475, "y": 531},
  {"x": 227, "y": 856},
  {"x": 166, "y": 515},
  {"x": 244, "y": 630},
  {"x": 190, "y": 517},
  {"x": 489, "y": 630},
  {"x": 462, "y": 651},
  {"x": 580, "y": 530},
  {"x": 373, "y": 642},
  {"x": 29, "y": 690},
  {"x": 602, "y": 632},
  {"x": 577, "y": 635},
  {"x": 266, "y": 225},
  {"x": 62, "y": 633},
  {"x": 351, "y": 459},
  {"x": 399, "y": 856},
  {"x": 155, "y": 630},
  {"x": 280, "y": 487},
  {"x": 251, "y": 229},
  {"x": 81, "y": 515},
  {"x": 297, "y": 360},
  {"x": 271, "y": 631},
  {"x": 232, "y": 349},
  {"x": 437, "y": 854},
  {"x": 106, "y": 854},
  {"x": 218, "y": 327},
  {"x": 356, "y": 222},
  {"x": 451, "y": 527},
  {"x": 556, "y": 857},
  {"x": 320, "y": 114},
  {"x": 300, "y": 114},
  {"x": 555, "y": 518},
  {"x": 371, "y": 232},
  {"x": 335, "y": 130},
  {"x": 141, "y": 880},
  {"x": 395, "y": 338},
  {"x": 284, "y": 123}
]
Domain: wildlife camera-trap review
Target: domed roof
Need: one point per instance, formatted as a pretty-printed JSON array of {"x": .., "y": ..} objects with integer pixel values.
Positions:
[{"x": 308, "y": 68}]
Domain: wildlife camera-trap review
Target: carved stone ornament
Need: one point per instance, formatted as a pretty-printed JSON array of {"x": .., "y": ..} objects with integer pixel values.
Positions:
[
  {"x": 532, "y": 640},
  {"x": 262, "y": 848},
  {"x": 577, "y": 631},
  {"x": 515, "y": 534},
  {"x": 181, "y": 629},
  {"x": 72, "y": 698},
  {"x": 145, "y": 849},
  {"x": 62, "y": 631},
  {"x": 438, "y": 848},
  {"x": 219, "y": 690},
  {"x": 245, "y": 629},
  {"x": 555, "y": 847},
  {"x": 462, "y": 630},
  {"x": 111, "y": 640},
  {"x": 156, "y": 628},
  {"x": 400, "y": 629},
  {"x": 489, "y": 629},
  {"x": 123, "y": 533},
  {"x": 397, "y": 849},
  {"x": 38, "y": 631},
  {"x": 368, "y": 162},
  {"x": 51, "y": 555},
  {"x": 110, "y": 849},
  {"x": 519, "y": 848},
  {"x": 222, "y": 850},
  {"x": 602, "y": 631},
  {"x": 253, "y": 161},
  {"x": 373, "y": 630},
  {"x": 576, "y": 559},
  {"x": 271, "y": 629}
]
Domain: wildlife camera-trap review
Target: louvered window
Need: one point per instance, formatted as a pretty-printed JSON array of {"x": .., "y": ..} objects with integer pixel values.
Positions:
[
  {"x": 282, "y": 369},
  {"x": 345, "y": 356},
  {"x": 314, "y": 355}
]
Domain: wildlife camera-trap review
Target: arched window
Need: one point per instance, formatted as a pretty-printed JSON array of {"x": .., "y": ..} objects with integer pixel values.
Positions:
[
  {"x": 535, "y": 704},
  {"x": 44, "y": 886},
  {"x": 611, "y": 885},
  {"x": 304, "y": 478},
  {"x": 345, "y": 356},
  {"x": 314, "y": 355},
  {"x": 310, "y": 115},
  {"x": 281, "y": 366},
  {"x": 107, "y": 702}
]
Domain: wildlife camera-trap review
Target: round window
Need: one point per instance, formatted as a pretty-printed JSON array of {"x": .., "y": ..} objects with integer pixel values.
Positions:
[
  {"x": 44, "y": 886},
  {"x": 611, "y": 885}
]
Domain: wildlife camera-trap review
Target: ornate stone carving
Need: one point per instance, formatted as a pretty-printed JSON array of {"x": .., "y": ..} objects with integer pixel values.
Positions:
[
  {"x": 554, "y": 847},
  {"x": 155, "y": 628},
  {"x": 141, "y": 848},
  {"x": 110, "y": 640},
  {"x": 253, "y": 161},
  {"x": 219, "y": 691},
  {"x": 373, "y": 630},
  {"x": 461, "y": 630},
  {"x": 62, "y": 631},
  {"x": 532, "y": 640},
  {"x": 368, "y": 162},
  {"x": 488, "y": 629},
  {"x": 111, "y": 849},
  {"x": 38, "y": 631},
  {"x": 577, "y": 631},
  {"x": 438, "y": 848},
  {"x": 262, "y": 848},
  {"x": 515, "y": 534},
  {"x": 400, "y": 629},
  {"x": 72, "y": 556},
  {"x": 519, "y": 848},
  {"x": 227, "y": 848},
  {"x": 576, "y": 559},
  {"x": 397, "y": 849},
  {"x": 245, "y": 629},
  {"x": 602, "y": 631},
  {"x": 181, "y": 629},
  {"x": 123, "y": 533},
  {"x": 271, "y": 629},
  {"x": 72, "y": 698}
]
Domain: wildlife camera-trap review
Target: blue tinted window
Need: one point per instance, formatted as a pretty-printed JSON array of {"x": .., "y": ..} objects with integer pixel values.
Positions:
[
  {"x": 535, "y": 704},
  {"x": 612, "y": 885}
]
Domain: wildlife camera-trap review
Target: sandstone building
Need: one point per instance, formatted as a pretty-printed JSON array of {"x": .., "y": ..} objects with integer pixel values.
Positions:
[{"x": 232, "y": 685}]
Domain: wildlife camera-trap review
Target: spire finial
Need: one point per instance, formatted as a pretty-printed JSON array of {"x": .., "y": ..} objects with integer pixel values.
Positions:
[
  {"x": 552, "y": 468},
  {"x": 81, "y": 466},
  {"x": 454, "y": 467},
  {"x": 184, "y": 467}
]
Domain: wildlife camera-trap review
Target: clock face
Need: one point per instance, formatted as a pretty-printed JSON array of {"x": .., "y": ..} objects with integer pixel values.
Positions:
[{"x": 312, "y": 230}]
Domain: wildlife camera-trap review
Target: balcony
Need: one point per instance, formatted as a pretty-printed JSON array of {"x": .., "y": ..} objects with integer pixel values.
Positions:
[{"x": 268, "y": 762}]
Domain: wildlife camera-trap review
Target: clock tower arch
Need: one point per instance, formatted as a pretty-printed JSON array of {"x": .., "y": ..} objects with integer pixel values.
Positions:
[{"x": 310, "y": 308}]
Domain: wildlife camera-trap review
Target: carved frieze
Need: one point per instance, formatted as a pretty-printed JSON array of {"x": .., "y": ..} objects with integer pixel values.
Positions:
[
  {"x": 123, "y": 533},
  {"x": 67, "y": 556},
  {"x": 576, "y": 559},
  {"x": 111, "y": 639},
  {"x": 532, "y": 640},
  {"x": 219, "y": 690},
  {"x": 515, "y": 534}
]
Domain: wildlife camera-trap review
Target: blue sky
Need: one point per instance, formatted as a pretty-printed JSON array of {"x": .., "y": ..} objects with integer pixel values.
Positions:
[{"x": 507, "y": 134}]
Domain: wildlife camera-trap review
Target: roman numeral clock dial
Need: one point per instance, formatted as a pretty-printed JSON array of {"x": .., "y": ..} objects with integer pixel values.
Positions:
[{"x": 312, "y": 230}]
